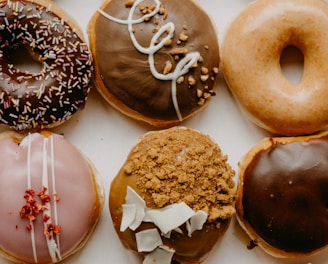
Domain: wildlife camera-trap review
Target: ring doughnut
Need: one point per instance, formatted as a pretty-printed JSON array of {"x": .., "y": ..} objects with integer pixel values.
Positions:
[
  {"x": 48, "y": 97},
  {"x": 282, "y": 196},
  {"x": 147, "y": 74},
  {"x": 51, "y": 197},
  {"x": 251, "y": 52}
]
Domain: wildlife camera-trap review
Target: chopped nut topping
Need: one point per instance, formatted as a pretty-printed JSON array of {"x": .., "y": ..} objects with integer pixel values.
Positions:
[
  {"x": 216, "y": 70},
  {"x": 161, "y": 10},
  {"x": 129, "y": 3},
  {"x": 204, "y": 70},
  {"x": 147, "y": 18},
  {"x": 142, "y": 8},
  {"x": 194, "y": 65},
  {"x": 168, "y": 43},
  {"x": 183, "y": 37},
  {"x": 201, "y": 101},
  {"x": 179, "y": 51},
  {"x": 191, "y": 80},
  {"x": 201, "y": 59},
  {"x": 165, "y": 15},
  {"x": 207, "y": 95},
  {"x": 180, "y": 80},
  {"x": 199, "y": 93},
  {"x": 204, "y": 78},
  {"x": 206, "y": 47},
  {"x": 167, "y": 68}
]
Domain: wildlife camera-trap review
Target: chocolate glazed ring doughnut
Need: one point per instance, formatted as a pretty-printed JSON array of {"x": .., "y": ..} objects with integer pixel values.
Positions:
[
  {"x": 49, "y": 97},
  {"x": 282, "y": 198},
  {"x": 153, "y": 60}
]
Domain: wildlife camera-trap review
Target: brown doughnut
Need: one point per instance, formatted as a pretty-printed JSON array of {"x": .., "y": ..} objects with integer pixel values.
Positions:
[
  {"x": 51, "y": 199},
  {"x": 169, "y": 167},
  {"x": 282, "y": 198},
  {"x": 46, "y": 98},
  {"x": 251, "y": 52},
  {"x": 145, "y": 89}
]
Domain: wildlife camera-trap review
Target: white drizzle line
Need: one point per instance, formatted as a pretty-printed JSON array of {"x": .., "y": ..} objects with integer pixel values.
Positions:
[
  {"x": 52, "y": 246},
  {"x": 182, "y": 67},
  {"x": 29, "y": 187},
  {"x": 53, "y": 177}
]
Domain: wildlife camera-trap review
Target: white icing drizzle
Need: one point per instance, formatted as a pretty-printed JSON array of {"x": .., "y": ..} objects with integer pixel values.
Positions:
[
  {"x": 52, "y": 246},
  {"x": 181, "y": 68},
  {"x": 53, "y": 177},
  {"x": 29, "y": 187}
]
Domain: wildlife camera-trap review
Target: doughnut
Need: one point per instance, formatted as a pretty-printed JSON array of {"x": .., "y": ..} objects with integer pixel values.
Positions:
[
  {"x": 46, "y": 97},
  {"x": 50, "y": 197},
  {"x": 154, "y": 62},
  {"x": 251, "y": 52},
  {"x": 282, "y": 200},
  {"x": 182, "y": 190}
]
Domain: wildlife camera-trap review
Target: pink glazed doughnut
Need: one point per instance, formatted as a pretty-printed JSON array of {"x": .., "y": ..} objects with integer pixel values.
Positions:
[
  {"x": 251, "y": 53},
  {"x": 50, "y": 199}
]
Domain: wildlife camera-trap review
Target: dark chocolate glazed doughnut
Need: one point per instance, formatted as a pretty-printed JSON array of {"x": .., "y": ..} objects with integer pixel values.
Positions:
[
  {"x": 155, "y": 61},
  {"x": 52, "y": 95},
  {"x": 282, "y": 195}
]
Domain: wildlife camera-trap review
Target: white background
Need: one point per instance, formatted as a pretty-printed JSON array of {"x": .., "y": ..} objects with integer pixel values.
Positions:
[{"x": 106, "y": 137}]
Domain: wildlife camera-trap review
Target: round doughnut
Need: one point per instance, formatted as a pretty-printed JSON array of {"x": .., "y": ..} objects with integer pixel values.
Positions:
[
  {"x": 147, "y": 73},
  {"x": 251, "y": 51},
  {"x": 282, "y": 200},
  {"x": 50, "y": 198},
  {"x": 47, "y": 97},
  {"x": 181, "y": 169}
]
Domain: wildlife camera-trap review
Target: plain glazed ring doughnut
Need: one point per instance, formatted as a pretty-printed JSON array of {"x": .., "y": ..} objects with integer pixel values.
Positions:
[
  {"x": 251, "y": 52},
  {"x": 50, "y": 96},
  {"x": 282, "y": 200},
  {"x": 50, "y": 197},
  {"x": 175, "y": 190},
  {"x": 147, "y": 73}
]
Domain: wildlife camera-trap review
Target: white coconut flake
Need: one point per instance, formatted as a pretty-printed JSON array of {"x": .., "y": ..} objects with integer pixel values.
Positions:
[
  {"x": 148, "y": 240},
  {"x": 170, "y": 217},
  {"x": 133, "y": 198},
  {"x": 196, "y": 222},
  {"x": 129, "y": 215},
  {"x": 161, "y": 255}
]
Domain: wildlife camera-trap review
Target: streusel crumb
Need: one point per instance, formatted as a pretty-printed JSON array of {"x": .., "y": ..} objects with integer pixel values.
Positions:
[{"x": 173, "y": 167}]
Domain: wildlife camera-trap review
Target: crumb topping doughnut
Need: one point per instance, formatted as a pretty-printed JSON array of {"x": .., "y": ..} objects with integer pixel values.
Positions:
[
  {"x": 52, "y": 95},
  {"x": 50, "y": 198},
  {"x": 251, "y": 52},
  {"x": 282, "y": 200},
  {"x": 167, "y": 169},
  {"x": 159, "y": 64}
]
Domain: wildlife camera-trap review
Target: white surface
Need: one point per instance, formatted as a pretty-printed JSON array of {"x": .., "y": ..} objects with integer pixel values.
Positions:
[{"x": 107, "y": 136}]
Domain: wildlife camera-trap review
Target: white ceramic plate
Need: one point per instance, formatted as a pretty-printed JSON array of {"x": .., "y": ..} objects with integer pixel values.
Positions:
[{"x": 107, "y": 136}]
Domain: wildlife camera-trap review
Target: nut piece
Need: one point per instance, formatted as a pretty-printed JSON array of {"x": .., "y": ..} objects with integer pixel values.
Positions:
[
  {"x": 179, "y": 51},
  {"x": 183, "y": 37},
  {"x": 191, "y": 80},
  {"x": 129, "y": 3},
  {"x": 167, "y": 67}
]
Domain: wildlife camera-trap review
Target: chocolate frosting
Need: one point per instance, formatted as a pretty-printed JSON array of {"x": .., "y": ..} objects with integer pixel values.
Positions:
[
  {"x": 285, "y": 198},
  {"x": 42, "y": 99},
  {"x": 125, "y": 71}
]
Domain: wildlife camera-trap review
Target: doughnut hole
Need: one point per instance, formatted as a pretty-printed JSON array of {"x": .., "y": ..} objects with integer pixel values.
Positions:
[
  {"x": 25, "y": 60},
  {"x": 292, "y": 64}
]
